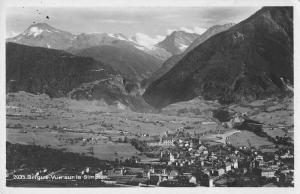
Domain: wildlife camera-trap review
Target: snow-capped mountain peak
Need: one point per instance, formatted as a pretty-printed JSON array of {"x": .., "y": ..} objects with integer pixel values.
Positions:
[
  {"x": 44, "y": 35},
  {"x": 177, "y": 41},
  {"x": 182, "y": 46},
  {"x": 39, "y": 28},
  {"x": 118, "y": 36},
  {"x": 35, "y": 31}
]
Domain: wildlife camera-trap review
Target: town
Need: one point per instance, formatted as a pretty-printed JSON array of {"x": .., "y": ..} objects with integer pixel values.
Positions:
[{"x": 180, "y": 159}]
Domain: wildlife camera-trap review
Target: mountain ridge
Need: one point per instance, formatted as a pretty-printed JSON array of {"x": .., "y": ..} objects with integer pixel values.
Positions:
[
  {"x": 60, "y": 74},
  {"x": 177, "y": 41},
  {"x": 126, "y": 59},
  {"x": 170, "y": 62},
  {"x": 116, "y": 49},
  {"x": 243, "y": 63}
]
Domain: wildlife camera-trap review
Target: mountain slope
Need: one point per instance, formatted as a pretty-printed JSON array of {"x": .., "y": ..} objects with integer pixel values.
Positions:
[
  {"x": 83, "y": 41},
  {"x": 168, "y": 64},
  {"x": 207, "y": 34},
  {"x": 246, "y": 62},
  {"x": 113, "y": 90},
  {"x": 60, "y": 74},
  {"x": 177, "y": 42},
  {"x": 129, "y": 61},
  {"x": 55, "y": 72},
  {"x": 159, "y": 53}
]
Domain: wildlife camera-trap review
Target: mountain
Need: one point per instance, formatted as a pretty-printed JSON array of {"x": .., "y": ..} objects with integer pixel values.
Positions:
[
  {"x": 125, "y": 58},
  {"x": 55, "y": 72},
  {"x": 83, "y": 41},
  {"x": 145, "y": 43},
  {"x": 207, "y": 34},
  {"x": 158, "y": 53},
  {"x": 168, "y": 64},
  {"x": 61, "y": 74},
  {"x": 43, "y": 35},
  {"x": 124, "y": 55},
  {"x": 251, "y": 60},
  {"x": 177, "y": 42},
  {"x": 114, "y": 90}
]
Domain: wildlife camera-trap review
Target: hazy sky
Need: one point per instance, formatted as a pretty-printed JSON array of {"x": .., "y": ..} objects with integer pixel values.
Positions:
[{"x": 152, "y": 21}]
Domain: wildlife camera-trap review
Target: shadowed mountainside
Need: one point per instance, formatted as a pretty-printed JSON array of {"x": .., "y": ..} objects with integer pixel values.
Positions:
[
  {"x": 55, "y": 72},
  {"x": 124, "y": 58},
  {"x": 177, "y": 41},
  {"x": 251, "y": 60},
  {"x": 60, "y": 74},
  {"x": 168, "y": 64}
]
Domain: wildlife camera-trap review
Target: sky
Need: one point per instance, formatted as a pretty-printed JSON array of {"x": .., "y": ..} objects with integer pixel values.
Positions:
[{"x": 150, "y": 24}]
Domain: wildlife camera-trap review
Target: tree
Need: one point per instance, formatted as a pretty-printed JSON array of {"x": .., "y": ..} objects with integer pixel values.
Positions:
[{"x": 126, "y": 140}]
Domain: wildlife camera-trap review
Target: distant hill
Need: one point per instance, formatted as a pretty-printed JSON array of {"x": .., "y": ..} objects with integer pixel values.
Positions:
[
  {"x": 168, "y": 64},
  {"x": 251, "y": 60}
]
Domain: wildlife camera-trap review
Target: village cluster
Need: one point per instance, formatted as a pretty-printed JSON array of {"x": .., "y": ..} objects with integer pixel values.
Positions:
[{"x": 187, "y": 161}]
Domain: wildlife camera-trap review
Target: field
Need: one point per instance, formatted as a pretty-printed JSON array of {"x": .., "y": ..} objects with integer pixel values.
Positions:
[
  {"x": 276, "y": 115},
  {"x": 80, "y": 126},
  {"x": 95, "y": 128},
  {"x": 242, "y": 138}
]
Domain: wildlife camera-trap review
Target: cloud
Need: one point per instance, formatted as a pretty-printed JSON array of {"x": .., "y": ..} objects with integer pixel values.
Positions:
[
  {"x": 169, "y": 31},
  {"x": 196, "y": 29},
  {"x": 147, "y": 41},
  {"x": 12, "y": 34}
]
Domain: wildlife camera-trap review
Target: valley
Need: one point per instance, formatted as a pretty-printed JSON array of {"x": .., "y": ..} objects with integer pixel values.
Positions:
[
  {"x": 209, "y": 106},
  {"x": 78, "y": 126}
]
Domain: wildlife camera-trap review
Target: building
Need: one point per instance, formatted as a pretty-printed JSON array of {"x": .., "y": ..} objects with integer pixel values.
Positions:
[
  {"x": 228, "y": 166},
  {"x": 202, "y": 148},
  {"x": 235, "y": 164},
  {"x": 259, "y": 158},
  {"x": 266, "y": 172},
  {"x": 237, "y": 120},
  {"x": 173, "y": 174},
  {"x": 172, "y": 158},
  {"x": 193, "y": 180},
  {"x": 221, "y": 171},
  {"x": 116, "y": 172},
  {"x": 164, "y": 141},
  {"x": 100, "y": 175},
  {"x": 287, "y": 156}
]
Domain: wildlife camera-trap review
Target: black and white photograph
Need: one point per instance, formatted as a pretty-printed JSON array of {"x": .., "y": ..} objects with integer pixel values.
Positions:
[{"x": 149, "y": 96}]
